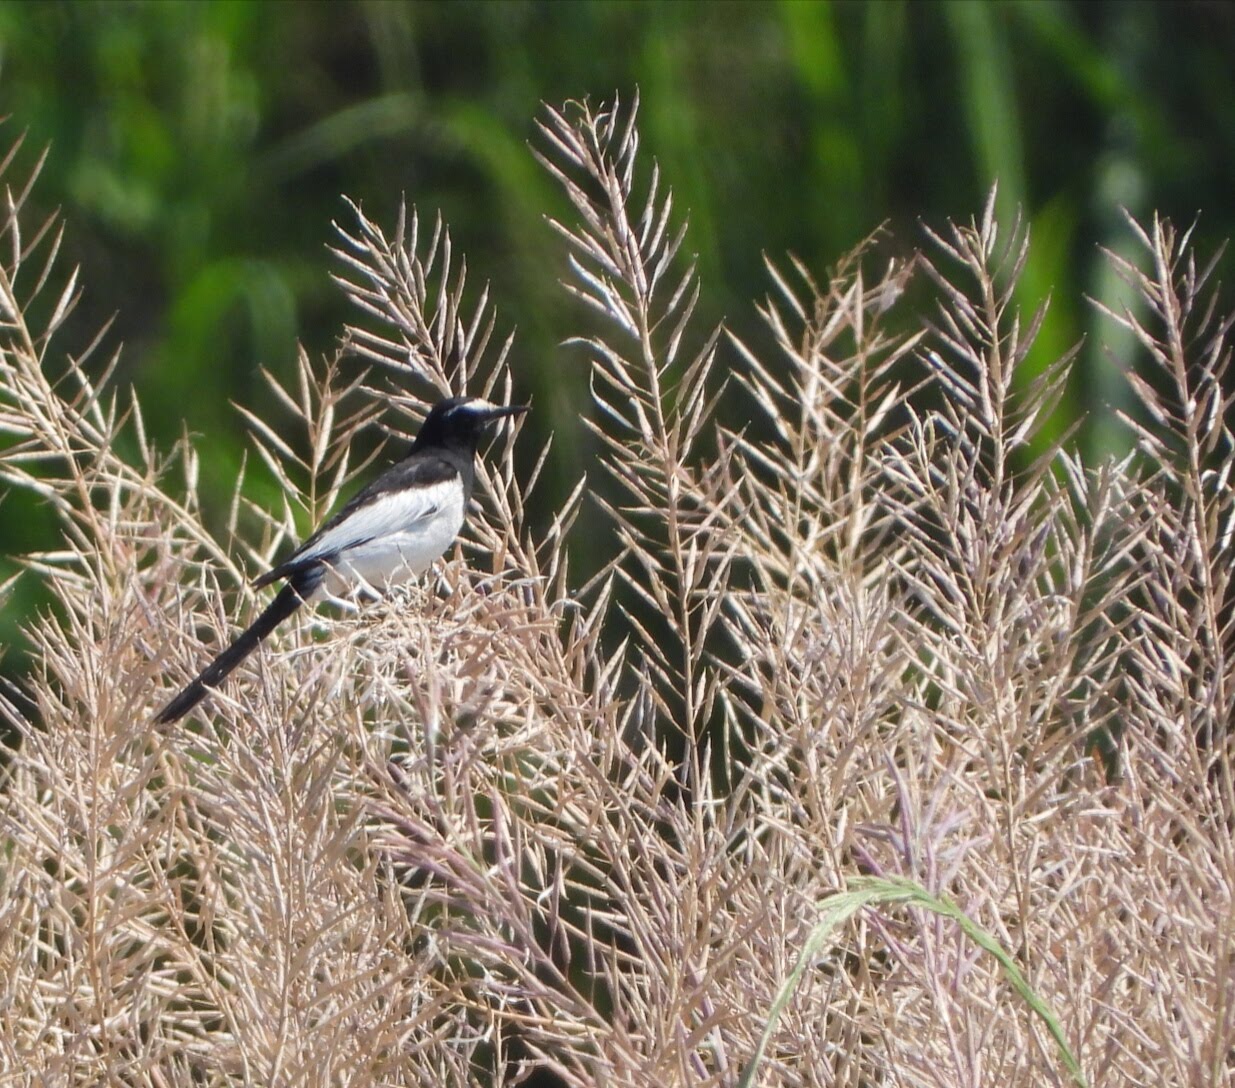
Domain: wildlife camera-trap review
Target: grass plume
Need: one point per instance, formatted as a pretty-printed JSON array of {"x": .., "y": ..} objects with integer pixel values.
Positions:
[{"x": 891, "y": 638}]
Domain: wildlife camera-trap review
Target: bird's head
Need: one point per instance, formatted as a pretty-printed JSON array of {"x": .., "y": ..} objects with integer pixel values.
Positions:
[{"x": 459, "y": 422}]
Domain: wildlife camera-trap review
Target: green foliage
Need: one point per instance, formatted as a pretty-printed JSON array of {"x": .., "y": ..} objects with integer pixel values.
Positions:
[{"x": 199, "y": 148}]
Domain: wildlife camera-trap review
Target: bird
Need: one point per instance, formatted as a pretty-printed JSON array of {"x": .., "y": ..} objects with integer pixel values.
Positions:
[{"x": 390, "y": 531}]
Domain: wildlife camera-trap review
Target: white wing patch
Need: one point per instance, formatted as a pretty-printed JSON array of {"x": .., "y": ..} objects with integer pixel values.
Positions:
[{"x": 397, "y": 535}]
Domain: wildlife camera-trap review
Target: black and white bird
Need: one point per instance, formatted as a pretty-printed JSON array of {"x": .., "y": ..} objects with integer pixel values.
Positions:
[{"x": 393, "y": 529}]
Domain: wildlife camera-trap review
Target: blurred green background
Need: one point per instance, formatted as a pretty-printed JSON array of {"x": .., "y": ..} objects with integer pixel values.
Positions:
[{"x": 199, "y": 150}]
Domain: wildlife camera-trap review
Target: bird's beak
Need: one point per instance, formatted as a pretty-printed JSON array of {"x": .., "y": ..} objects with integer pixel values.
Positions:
[{"x": 507, "y": 410}]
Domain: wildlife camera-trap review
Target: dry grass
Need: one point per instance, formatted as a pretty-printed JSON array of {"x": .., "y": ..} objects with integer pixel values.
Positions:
[{"x": 474, "y": 830}]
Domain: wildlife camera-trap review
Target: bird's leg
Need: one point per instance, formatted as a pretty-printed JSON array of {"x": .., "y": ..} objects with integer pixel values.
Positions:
[
  {"x": 355, "y": 597},
  {"x": 344, "y": 604}
]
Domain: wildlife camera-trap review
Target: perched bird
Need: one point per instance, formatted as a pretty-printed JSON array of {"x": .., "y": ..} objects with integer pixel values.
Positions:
[{"x": 393, "y": 529}]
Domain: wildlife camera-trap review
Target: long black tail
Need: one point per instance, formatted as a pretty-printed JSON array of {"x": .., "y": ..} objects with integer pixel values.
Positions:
[{"x": 288, "y": 600}]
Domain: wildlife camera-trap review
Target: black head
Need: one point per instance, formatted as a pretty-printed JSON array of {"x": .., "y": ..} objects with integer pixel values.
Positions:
[{"x": 457, "y": 422}]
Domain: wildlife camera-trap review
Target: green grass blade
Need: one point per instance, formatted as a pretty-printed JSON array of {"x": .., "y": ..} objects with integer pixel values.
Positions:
[{"x": 871, "y": 891}]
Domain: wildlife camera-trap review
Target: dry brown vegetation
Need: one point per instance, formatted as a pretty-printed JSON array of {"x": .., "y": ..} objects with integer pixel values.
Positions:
[{"x": 888, "y": 630}]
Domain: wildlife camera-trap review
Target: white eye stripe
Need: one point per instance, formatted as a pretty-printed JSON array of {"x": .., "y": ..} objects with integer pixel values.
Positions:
[{"x": 476, "y": 407}]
